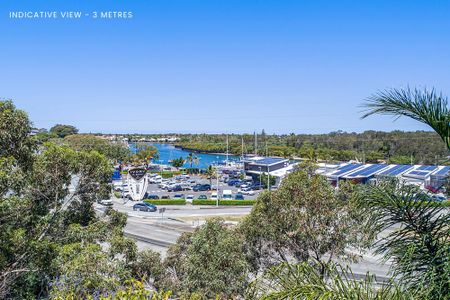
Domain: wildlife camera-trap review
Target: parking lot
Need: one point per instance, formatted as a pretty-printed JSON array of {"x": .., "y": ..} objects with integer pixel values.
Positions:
[{"x": 156, "y": 189}]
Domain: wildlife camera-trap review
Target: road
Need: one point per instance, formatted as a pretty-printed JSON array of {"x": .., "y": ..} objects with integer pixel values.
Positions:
[{"x": 158, "y": 232}]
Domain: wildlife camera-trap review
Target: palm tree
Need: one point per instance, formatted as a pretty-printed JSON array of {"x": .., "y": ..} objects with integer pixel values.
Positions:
[
  {"x": 210, "y": 172},
  {"x": 427, "y": 106},
  {"x": 192, "y": 159},
  {"x": 304, "y": 282}
]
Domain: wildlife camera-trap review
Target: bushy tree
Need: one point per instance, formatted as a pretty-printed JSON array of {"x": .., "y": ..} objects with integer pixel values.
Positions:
[
  {"x": 86, "y": 142},
  {"x": 49, "y": 231},
  {"x": 144, "y": 154},
  {"x": 304, "y": 220},
  {"x": 177, "y": 162},
  {"x": 63, "y": 130},
  {"x": 208, "y": 262}
]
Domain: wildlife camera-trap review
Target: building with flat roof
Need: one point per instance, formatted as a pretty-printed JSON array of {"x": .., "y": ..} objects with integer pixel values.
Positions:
[
  {"x": 265, "y": 164},
  {"x": 275, "y": 166},
  {"x": 422, "y": 175}
]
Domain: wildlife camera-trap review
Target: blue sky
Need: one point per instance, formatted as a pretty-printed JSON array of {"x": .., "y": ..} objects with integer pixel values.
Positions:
[{"x": 221, "y": 66}]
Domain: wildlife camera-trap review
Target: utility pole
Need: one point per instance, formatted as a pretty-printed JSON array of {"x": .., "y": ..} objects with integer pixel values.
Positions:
[
  {"x": 256, "y": 143},
  {"x": 217, "y": 178},
  {"x": 260, "y": 177}
]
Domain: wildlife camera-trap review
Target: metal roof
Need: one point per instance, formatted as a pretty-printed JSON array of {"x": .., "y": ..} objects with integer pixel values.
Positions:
[
  {"x": 267, "y": 161},
  {"x": 345, "y": 169},
  {"x": 395, "y": 170},
  {"x": 442, "y": 172},
  {"x": 367, "y": 171}
]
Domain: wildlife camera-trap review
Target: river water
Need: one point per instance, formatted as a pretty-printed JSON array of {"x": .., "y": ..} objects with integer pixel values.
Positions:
[{"x": 167, "y": 152}]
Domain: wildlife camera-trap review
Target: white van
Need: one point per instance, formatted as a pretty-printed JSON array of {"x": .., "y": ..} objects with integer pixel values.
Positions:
[
  {"x": 214, "y": 196},
  {"x": 227, "y": 195}
]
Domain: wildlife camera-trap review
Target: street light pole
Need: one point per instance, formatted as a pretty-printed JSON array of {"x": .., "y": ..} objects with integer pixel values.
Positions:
[
  {"x": 260, "y": 177},
  {"x": 268, "y": 179},
  {"x": 217, "y": 178}
]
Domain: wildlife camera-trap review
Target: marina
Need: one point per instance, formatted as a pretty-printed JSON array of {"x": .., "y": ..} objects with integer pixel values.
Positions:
[{"x": 167, "y": 152}]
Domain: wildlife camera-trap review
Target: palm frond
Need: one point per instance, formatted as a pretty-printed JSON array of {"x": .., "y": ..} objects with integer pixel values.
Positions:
[
  {"x": 427, "y": 106},
  {"x": 304, "y": 282},
  {"x": 418, "y": 234}
]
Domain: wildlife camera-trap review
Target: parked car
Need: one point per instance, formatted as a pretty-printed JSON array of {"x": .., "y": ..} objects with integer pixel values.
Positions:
[
  {"x": 178, "y": 196},
  {"x": 233, "y": 182},
  {"x": 201, "y": 187},
  {"x": 247, "y": 191},
  {"x": 165, "y": 197},
  {"x": 175, "y": 188},
  {"x": 227, "y": 195},
  {"x": 186, "y": 187},
  {"x": 202, "y": 197},
  {"x": 155, "y": 197},
  {"x": 214, "y": 196},
  {"x": 106, "y": 202},
  {"x": 256, "y": 186},
  {"x": 144, "y": 206},
  {"x": 189, "y": 198},
  {"x": 239, "y": 197}
]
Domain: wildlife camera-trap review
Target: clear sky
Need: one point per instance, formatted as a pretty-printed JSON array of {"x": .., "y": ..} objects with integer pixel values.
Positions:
[{"x": 221, "y": 65}]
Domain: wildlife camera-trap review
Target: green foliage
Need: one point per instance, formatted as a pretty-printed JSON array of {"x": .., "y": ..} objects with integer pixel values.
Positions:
[
  {"x": 144, "y": 154},
  {"x": 63, "y": 130},
  {"x": 266, "y": 182},
  {"x": 166, "y": 201},
  {"x": 52, "y": 241},
  {"x": 298, "y": 221},
  {"x": 83, "y": 269},
  {"x": 303, "y": 282},
  {"x": 192, "y": 160},
  {"x": 400, "y": 160},
  {"x": 43, "y": 137},
  {"x": 222, "y": 202},
  {"x": 209, "y": 261},
  {"x": 420, "y": 246},
  {"x": 15, "y": 128},
  {"x": 428, "y": 107},
  {"x": 148, "y": 267},
  {"x": 331, "y": 147},
  {"x": 177, "y": 162},
  {"x": 87, "y": 142}
]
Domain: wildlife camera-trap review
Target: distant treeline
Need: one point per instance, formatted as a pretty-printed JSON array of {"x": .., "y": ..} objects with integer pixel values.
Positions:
[{"x": 420, "y": 147}]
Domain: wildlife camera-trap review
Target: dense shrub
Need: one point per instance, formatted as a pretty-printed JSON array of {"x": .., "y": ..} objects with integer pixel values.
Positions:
[{"x": 166, "y": 201}]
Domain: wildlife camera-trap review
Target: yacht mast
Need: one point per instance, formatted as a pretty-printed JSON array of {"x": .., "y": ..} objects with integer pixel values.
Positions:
[
  {"x": 227, "y": 151},
  {"x": 256, "y": 144},
  {"x": 242, "y": 147}
]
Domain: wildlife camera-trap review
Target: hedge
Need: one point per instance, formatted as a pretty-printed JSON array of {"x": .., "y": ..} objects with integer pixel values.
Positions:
[
  {"x": 222, "y": 202},
  {"x": 166, "y": 201}
]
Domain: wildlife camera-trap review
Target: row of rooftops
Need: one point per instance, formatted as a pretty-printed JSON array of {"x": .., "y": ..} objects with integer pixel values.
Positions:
[
  {"x": 364, "y": 171},
  {"x": 265, "y": 161}
]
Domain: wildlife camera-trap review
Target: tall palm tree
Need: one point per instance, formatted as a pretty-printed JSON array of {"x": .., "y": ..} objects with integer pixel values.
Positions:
[
  {"x": 192, "y": 159},
  {"x": 210, "y": 172},
  {"x": 425, "y": 106}
]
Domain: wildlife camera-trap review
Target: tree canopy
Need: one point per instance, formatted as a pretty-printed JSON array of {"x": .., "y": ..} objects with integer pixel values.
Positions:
[{"x": 63, "y": 130}]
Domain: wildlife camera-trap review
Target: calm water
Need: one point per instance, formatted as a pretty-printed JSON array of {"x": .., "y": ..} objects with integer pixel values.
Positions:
[{"x": 168, "y": 152}]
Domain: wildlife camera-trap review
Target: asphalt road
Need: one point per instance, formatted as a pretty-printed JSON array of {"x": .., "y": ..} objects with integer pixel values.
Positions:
[{"x": 156, "y": 231}]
